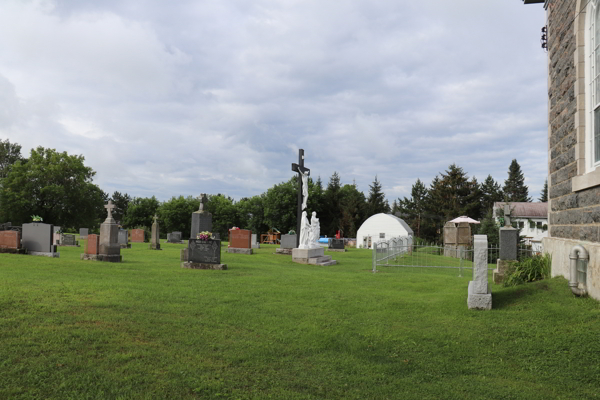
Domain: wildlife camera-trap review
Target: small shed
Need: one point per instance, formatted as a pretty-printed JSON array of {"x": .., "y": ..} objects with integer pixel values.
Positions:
[{"x": 381, "y": 227}]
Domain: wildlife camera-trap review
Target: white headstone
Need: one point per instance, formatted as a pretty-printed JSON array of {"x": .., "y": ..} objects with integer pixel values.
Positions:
[{"x": 480, "y": 295}]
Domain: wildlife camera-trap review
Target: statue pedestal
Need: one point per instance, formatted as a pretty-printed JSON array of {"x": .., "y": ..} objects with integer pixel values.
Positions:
[{"x": 314, "y": 256}]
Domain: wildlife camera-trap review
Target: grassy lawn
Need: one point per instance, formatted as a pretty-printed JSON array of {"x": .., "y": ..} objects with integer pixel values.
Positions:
[{"x": 271, "y": 329}]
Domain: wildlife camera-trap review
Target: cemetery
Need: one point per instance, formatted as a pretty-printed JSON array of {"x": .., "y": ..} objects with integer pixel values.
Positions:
[
  {"x": 203, "y": 320},
  {"x": 278, "y": 316}
]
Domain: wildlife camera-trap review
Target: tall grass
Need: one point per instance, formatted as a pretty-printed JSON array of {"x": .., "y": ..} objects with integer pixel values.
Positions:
[{"x": 530, "y": 269}]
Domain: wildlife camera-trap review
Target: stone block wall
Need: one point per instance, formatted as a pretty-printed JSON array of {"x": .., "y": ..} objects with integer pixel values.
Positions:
[{"x": 572, "y": 215}]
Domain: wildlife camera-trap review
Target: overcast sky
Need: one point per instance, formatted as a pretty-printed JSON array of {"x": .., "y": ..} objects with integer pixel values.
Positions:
[{"x": 217, "y": 96}]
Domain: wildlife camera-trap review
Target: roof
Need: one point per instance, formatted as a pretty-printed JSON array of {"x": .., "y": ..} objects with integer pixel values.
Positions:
[
  {"x": 525, "y": 210},
  {"x": 533, "y": 1},
  {"x": 404, "y": 224}
]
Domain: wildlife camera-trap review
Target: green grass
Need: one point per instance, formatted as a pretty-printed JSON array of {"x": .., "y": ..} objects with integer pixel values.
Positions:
[{"x": 269, "y": 328}]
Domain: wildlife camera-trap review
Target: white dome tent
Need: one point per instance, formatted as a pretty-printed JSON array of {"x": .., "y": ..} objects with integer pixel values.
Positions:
[{"x": 381, "y": 227}]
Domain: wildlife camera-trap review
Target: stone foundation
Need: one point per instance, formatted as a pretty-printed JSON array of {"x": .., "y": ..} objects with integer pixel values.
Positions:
[
  {"x": 236, "y": 250},
  {"x": 12, "y": 251},
  {"x": 479, "y": 301},
  {"x": 285, "y": 252},
  {"x": 102, "y": 257},
  {"x": 193, "y": 265},
  {"x": 45, "y": 254},
  {"x": 560, "y": 248}
]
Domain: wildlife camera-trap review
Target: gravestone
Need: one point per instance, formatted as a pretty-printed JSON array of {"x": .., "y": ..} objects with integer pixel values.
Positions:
[
  {"x": 124, "y": 239},
  {"x": 509, "y": 241},
  {"x": 155, "y": 238},
  {"x": 288, "y": 242},
  {"x": 83, "y": 233},
  {"x": 457, "y": 239},
  {"x": 56, "y": 235},
  {"x": 240, "y": 241},
  {"x": 68, "y": 240},
  {"x": 254, "y": 241},
  {"x": 37, "y": 239},
  {"x": 10, "y": 242},
  {"x": 216, "y": 236},
  {"x": 138, "y": 235},
  {"x": 93, "y": 244},
  {"x": 336, "y": 245},
  {"x": 479, "y": 293},
  {"x": 201, "y": 219},
  {"x": 108, "y": 245},
  {"x": 202, "y": 254},
  {"x": 174, "y": 237}
]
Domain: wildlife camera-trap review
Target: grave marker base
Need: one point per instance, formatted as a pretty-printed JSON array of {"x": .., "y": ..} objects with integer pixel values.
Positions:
[
  {"x": 154, "y": 246},
  {"x": 45, "y": 254},
  {"x": 312, "y": 256},
  {"x": 102, "y": 257},
  {"x": 285, "y": 252},
  {"x": 236, "y": 250},
  {"x": 476, "y": 301},
  {"x": 125, "y": 246},
  {"x": 13, "y": 251},
  {"x": 338, "y": 250},
  {"x": 193, "y": 265}
]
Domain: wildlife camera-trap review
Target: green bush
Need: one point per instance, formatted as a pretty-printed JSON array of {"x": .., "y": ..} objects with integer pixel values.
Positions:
[{"x": 528, "y": 270}]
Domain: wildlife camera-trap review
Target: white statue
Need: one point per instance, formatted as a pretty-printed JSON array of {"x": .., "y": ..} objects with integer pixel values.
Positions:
[
  {"x": 315, "y": 231},
  {"x": 305, "y": 231},
  {"x": 304, "y": 189}
]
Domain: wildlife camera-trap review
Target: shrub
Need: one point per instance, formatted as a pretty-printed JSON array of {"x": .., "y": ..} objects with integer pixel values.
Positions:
[{"x": 528, "y": 270}]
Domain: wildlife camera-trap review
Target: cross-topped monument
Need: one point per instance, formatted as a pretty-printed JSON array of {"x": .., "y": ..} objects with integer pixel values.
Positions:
[
  {"x": 203, "y": 201},
  {"x": 109, "y": 207},
  {"x": 507, "y": 215},
  {"x": 301, "y": 170}
]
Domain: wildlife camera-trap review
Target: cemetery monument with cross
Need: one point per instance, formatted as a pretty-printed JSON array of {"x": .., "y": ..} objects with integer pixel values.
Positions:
[
  {"x": 106, "y": 247},
  {"x": 509, "y": 241},
  {"x": 308, "y": 250}
]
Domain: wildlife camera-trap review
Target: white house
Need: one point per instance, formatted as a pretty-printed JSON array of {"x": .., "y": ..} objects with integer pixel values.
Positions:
[
  {"x": 381, "y": 227},
  {"x": 530, "y": 218}
]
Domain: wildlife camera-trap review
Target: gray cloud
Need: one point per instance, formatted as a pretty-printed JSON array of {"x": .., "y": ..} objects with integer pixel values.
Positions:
[{"x": 203, "y": 96}]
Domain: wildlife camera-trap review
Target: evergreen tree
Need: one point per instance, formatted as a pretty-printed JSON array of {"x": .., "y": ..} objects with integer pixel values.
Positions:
[
  {"x": 353, "y": 209},
  {"x": 332, "y": 212},
  {"x": 491, "y": 192},
  {"x": 121, "y": 202},
  {"x": 514, "y": 188},
  {"x": 544, "y": 194},
  {"x": 376, "y": 203},
  {"x": 412, "y": 208},
  {"x": 490, "y": 228}
]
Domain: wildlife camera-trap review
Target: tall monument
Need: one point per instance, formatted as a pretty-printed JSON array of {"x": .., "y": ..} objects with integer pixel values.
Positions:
[{"x": 201, "y": 219}]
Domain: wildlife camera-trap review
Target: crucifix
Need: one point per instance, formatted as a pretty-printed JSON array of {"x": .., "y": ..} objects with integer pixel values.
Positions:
[
  {"x": 109, "y": 207},
  {"x": 302, "y": 172}
]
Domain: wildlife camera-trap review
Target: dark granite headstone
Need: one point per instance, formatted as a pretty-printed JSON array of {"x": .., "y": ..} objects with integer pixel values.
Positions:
[
  {"x": 83, "y": 233},
  {"x": 337, "y": 244},
  {"x": 509, "y": 239},
  {"x": 288, "y": 241},
  {"x": 123, "y": 238},
  {"x": 68, "y": 240},
  {"x": 37, "y": 237},
  {"x": 174, "y": 237},
  {"x": 216, "y": 236},
  {"x": 204, "y": 251},
  {"x": 201, "y": 219}
]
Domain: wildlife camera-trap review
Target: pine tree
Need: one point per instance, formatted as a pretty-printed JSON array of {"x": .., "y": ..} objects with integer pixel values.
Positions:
[
  {"x": 544, "y": 194},
  {"x": 491, "y": 192},
  {"x": 514, "y": 188},
  {"x": 413, "y": 208},
  {"x": 376, "y": 202},
  {"x": 332, "y": 212}
]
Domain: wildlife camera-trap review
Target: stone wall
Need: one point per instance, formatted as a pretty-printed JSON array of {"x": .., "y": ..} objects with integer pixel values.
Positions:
[{"x": 572, "y": 215}]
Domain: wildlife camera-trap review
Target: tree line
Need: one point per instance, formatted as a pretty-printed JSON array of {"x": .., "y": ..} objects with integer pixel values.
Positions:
[
  {"x": 59, "y": 188},
  {"x": 452, "y": 194}
]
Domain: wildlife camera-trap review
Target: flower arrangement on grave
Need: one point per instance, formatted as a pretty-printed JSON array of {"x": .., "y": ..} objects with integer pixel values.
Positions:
[
  {"x": 292, "y": 232},
  {"x": 234, "y": 228},
  {"x": 204, "y": 235},
  {"x": 36, "y": 218}
]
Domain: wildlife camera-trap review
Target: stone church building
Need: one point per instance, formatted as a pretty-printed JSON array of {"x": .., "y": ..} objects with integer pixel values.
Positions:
[{"x": 573, "y": 43}]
